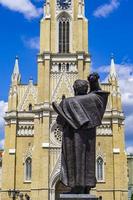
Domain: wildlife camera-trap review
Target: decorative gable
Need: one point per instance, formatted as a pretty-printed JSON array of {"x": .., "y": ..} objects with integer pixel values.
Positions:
[
  {"x": 29, "y": 98},
  {"x": 63, "y": 86}
]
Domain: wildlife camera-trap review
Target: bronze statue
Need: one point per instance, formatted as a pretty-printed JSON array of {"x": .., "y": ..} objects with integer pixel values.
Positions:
[{"x": 79, "y": 116}]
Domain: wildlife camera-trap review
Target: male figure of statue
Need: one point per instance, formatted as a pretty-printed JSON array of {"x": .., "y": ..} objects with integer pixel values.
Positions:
[{"x": 79, "y": 116}]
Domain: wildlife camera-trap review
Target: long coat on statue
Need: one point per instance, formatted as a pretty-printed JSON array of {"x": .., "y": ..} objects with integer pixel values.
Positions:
[{"x": 79, "y": 116}]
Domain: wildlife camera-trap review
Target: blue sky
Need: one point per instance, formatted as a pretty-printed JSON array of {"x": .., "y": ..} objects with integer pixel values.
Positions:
[{"x": 110, "y": 31}]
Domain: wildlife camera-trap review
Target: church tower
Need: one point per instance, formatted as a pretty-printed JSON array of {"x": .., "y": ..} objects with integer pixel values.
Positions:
[
  {"x": 31, "y": 161},
  {"x": 63, "y": 48},
  {"x": 63, "y": 58}
]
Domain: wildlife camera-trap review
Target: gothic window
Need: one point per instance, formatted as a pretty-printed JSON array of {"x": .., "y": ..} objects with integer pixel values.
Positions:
[
  {"x": 100, "y": 169},
  {"x": 30, "y": 107},
  {"x": 60, "y": 67},
  {"x": 67, "y": 67},
  {"x": 28, "y": 169},
  {"x": 64, "y": 34},
  {"x": 64, "y": 67}
]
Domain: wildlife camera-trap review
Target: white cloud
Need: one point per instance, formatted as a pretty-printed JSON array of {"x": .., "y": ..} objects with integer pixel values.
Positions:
[
  {"x": 26, "y": 7},
  {"x": 125, "y": 78},
  {"x": 129, "y": 150},
  {"x": 129, "y": 124},
  {"x": 106, "y": 9},
  {"x": 3, "y": 109},
  {"x": 2, "y": 144},
  {"x": 125, "y": 81},
  {"x": 32, "y": 43}
]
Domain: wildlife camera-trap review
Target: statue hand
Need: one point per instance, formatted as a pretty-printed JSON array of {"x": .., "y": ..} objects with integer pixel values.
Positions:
[
  {"x": 63, "y": 96},
  {"x": 60, "y": 128}
]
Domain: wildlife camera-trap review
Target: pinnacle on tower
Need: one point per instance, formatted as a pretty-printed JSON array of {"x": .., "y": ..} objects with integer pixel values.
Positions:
[
  {"x": 81, "y": 9},
  {"x": 47, "y": 9},
  {"x": 16, "y": 74},
  {"x": 16, "y": 66},
  {"x": 113, "y": 74}
]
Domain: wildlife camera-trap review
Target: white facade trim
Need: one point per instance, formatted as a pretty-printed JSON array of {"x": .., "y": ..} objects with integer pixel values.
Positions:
[
  {"x": 12, "y": 151},
  {"x": 45, "y": 145},
  {"x": 46, "y": 114},
  {"x": 115, "y": 121},
  {"x": 116, "y": 150},
  {"x": 64, "y": 59},
  {"x": 47, "y": 56},
  {"x": 80, "y": 57}
]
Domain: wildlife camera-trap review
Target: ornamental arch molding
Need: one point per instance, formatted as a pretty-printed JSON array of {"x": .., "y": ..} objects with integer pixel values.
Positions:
[
  {"x": 53, "y": 182},
  {"x": 64, "y": 14}
]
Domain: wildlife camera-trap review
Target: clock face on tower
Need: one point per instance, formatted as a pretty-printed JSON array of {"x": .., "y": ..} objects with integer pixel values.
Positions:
[{"x": 64, "y": 4}]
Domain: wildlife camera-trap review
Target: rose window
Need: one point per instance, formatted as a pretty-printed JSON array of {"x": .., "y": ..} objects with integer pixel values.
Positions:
[{"x": 58, "y": 134}]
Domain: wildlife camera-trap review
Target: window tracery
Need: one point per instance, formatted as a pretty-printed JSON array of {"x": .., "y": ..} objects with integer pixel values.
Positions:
[
  {"x": 28, "y": 169},
  {"x": 100, "y": 169}
]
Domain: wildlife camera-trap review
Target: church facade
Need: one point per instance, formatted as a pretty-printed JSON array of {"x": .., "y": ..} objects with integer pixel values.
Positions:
[{"x": 31, "y": 160}]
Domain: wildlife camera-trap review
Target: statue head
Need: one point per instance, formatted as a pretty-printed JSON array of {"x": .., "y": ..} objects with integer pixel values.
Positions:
[
  {"x": 80, "y": 87},
  {"x": 93, "y": 79}
]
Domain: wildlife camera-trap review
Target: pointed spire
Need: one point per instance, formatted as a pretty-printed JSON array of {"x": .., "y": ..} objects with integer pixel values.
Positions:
[
  {"x": 16, "y": 66},
  {"x": 83, "y": 8},
  {"x": 16, "y": 74},
  {"x": 44, "y": 8},
  {"x": 80, "y": 9},
  {"x": 47, "y": 9},
  {"x": 113, "y": 73}
]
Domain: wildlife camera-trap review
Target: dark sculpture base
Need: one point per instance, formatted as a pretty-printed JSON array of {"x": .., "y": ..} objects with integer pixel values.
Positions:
[{"x": 77, "y": 197}]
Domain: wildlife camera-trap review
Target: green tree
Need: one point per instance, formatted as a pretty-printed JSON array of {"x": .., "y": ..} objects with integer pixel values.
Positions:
[{"x": 132, "y": 196}]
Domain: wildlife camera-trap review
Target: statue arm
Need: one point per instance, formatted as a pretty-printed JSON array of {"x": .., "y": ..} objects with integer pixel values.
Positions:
[
  {"x": 60, "y": 120},
  {"x": 63, "y": 119}
]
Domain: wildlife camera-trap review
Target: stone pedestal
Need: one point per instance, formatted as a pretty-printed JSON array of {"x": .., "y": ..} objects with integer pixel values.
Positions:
[{"x": 77, "y": 197}]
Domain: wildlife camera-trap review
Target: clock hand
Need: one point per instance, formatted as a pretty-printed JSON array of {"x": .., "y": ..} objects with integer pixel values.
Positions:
[{"x": 66, "y": 1}]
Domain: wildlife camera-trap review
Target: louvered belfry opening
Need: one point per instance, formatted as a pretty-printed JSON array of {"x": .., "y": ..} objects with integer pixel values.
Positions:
[{"x": 64, "y": 34}]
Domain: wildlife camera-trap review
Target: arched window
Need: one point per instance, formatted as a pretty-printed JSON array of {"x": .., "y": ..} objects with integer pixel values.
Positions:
[
  {"x": 67, "y": 67},
  {"x": 30, "y": 107},
  {"x": 28, "y": 169},
  {"x": 100, "y": 169},
  {"x": 64, "y": 34},
  {"x": 59, "y": 67}
]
